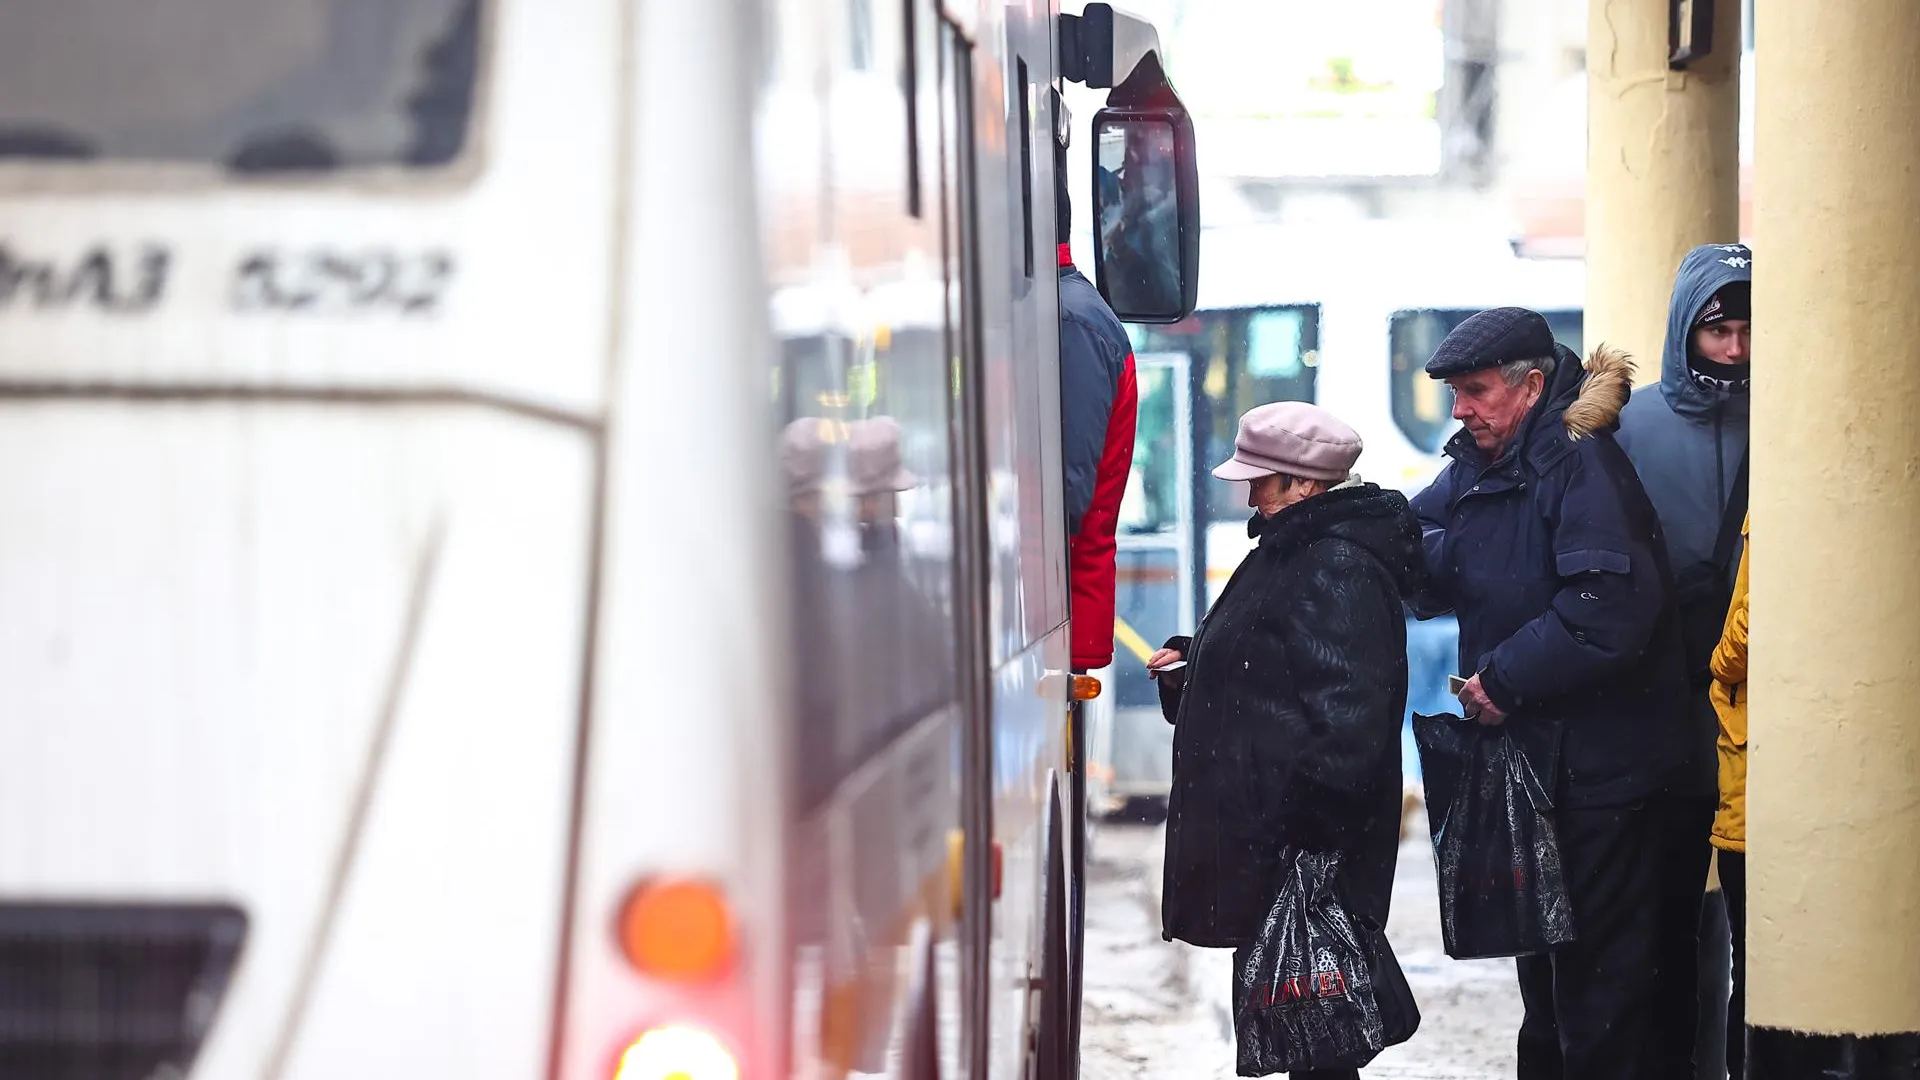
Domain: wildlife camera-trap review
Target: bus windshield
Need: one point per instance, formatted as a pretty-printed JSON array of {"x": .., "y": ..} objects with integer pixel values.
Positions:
[
  {"x": 1421, "y": 406},
  {"x": 252, "y": 85},
  {"x": 1241, "y": 357}
]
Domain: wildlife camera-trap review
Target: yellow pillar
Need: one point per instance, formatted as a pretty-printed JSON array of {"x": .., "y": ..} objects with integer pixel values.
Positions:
[
  {"x": 1663, "y": 166},
  {"x": 1834, "y": 782}
]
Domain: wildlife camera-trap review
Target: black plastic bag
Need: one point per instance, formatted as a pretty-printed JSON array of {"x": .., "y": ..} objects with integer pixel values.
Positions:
[
  {"x": 1502, "y": 888},
  {"x": 1319, "y": 989}
]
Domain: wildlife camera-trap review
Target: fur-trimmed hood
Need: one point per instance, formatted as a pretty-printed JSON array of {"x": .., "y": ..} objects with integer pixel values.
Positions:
[
  {"x": 1580, "y": 401},
  {"x": 1603, "y": 392}
]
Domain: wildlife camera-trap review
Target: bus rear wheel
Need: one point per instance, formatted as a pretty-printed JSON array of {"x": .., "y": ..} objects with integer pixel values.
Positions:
[{"x": 1054, "y": 1055}]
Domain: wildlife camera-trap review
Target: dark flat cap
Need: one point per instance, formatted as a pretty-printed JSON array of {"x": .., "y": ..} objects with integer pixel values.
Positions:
[{"x": 1490, "y": 339}]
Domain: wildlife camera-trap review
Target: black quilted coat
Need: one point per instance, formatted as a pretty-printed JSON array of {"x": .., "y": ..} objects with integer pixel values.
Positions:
[{"x": 1287, "y": 723}]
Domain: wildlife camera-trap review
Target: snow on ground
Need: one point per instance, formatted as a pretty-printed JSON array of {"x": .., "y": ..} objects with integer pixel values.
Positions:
[{"x": 1161, "y": 1009}]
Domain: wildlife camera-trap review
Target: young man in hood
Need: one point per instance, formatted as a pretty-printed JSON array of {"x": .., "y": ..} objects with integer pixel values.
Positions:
[{"x": 1689, "y": 444}]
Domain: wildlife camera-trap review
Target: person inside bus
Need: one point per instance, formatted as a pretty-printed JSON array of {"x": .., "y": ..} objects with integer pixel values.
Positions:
[
  {"x": 1688, "y": 442},
  {"x": 1539, "y": 538},
  {"x": 803, "y": 453},
  {"x": 1142, "y": 235},
  {"x": 1098, "y": 409},
  {"x": 1287, "y": 710}
]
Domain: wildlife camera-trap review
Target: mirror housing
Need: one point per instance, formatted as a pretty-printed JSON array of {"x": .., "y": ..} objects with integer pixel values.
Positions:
[{"x": 1146, "y": 198}]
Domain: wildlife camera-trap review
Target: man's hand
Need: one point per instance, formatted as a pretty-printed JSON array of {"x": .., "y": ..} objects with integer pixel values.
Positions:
[{"x": 1478, "y": 706}]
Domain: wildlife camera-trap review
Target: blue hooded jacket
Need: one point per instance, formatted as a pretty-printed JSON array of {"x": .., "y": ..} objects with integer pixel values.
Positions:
[{"x": 1687, "y": 441}]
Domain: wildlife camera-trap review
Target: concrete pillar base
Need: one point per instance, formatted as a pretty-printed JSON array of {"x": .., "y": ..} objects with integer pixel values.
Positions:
[
  {"x": 1833, "y": 776},
  {"x": 1773, "y": 1054}
]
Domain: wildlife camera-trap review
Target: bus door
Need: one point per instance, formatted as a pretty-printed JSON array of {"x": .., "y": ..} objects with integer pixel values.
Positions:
[{"x": 1132, "y": 751}]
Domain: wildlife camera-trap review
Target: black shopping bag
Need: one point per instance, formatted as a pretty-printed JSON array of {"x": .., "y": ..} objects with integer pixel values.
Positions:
[
  {"x": 1319, "y": 989},
  {"x": 1502, "y": 889}
]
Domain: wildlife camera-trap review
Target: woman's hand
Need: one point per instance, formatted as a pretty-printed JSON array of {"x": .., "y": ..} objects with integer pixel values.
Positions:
[{"x": 1161, "y": 659}]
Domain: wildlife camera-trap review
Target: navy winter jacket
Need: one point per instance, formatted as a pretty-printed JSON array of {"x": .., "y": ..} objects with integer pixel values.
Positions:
[
  {"x": 1553, "y": 563},
  {"x": 1098, "y": 402}
]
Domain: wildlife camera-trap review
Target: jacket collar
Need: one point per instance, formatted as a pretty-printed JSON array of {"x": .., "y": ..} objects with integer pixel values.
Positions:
[
  {"x": 1541, "y": 449},
  {"x": 1578, "y": 402},
  {"x": 1301, "y": 516}
]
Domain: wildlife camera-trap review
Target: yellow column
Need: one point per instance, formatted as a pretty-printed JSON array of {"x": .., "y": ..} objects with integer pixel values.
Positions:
[
  {"x": 1663, "y": 166},
  {"x": 1834, "y": 782}
]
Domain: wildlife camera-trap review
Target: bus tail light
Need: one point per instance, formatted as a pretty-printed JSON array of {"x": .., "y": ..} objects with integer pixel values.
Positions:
[
  {"x": 680, "y": 930},
  {"x": 956, "y": 869},
  {"x": 677, "y": 1052}
]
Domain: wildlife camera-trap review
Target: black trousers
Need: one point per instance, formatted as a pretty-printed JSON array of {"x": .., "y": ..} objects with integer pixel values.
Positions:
[
  {"x": 1589, "y": 1006},
  {"x": 1716, "y": 973},
  {"x": 1681, "y": 852},
  {"x": 1733, "y": 882}
]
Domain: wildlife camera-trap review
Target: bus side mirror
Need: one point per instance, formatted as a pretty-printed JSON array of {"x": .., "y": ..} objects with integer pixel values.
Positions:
[{"x": 1146, "y": 198}]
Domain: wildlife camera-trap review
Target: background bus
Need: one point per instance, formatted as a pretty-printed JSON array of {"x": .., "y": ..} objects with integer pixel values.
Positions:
[
  {"x": 424, "y": 656},
  {"x": 1344, "y": 315}
]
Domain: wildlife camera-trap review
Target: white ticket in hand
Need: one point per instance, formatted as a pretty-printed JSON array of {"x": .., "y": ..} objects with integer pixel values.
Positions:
[{"x": 1175, "y": 666}]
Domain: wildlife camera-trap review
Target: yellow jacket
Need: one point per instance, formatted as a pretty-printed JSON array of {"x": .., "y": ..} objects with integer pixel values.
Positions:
[{"x": 1730, "y": 701}]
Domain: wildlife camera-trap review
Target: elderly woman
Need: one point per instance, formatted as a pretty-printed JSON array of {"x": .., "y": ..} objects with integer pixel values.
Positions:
[{"x": 1288, "y": 708}]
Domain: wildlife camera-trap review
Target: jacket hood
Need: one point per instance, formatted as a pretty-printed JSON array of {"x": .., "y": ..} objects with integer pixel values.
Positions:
[
  {"x": 1375, "y": 518},
  {"x": 1705, "y": 271},
  {"x": 1581, "y": 398},
  {"x": 1599, "y": 394}
]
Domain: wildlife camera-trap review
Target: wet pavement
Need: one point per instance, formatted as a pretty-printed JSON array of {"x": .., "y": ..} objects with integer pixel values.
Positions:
[{"x": 1160, "y": 1009}]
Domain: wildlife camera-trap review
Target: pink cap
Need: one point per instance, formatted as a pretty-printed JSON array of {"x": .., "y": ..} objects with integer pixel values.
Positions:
[
  {"x": 870, "y": 465},
  {"x": 1291, "y": 437},
  {"x": 873, "y": 457},
  {"x": 803, "y": 453}
]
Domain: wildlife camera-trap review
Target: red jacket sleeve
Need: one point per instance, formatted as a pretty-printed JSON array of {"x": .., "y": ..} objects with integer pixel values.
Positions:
[{"x": 1090, "y": 560}]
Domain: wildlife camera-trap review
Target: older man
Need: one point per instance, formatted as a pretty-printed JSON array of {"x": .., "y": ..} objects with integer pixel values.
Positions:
[{"x": 1537, "y": 535}]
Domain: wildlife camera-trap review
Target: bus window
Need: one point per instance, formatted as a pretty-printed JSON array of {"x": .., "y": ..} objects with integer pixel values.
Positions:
[
  {"x": 866, "y": 456},
  {"x": 1241, "y": 357},
  {"x": 1421, "y": 406},
  {"x": 1151, "y": 504},
  {"x": 255, "y": 85}
]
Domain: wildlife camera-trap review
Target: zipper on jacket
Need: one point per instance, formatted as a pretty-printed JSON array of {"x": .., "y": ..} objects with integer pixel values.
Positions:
[{"x": 1719, "y": 466}]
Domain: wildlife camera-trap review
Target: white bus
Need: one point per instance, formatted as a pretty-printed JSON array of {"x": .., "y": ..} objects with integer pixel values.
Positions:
[
  {"x": 1345, "y": 315},
  {"x": 410, "y": 662}
]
